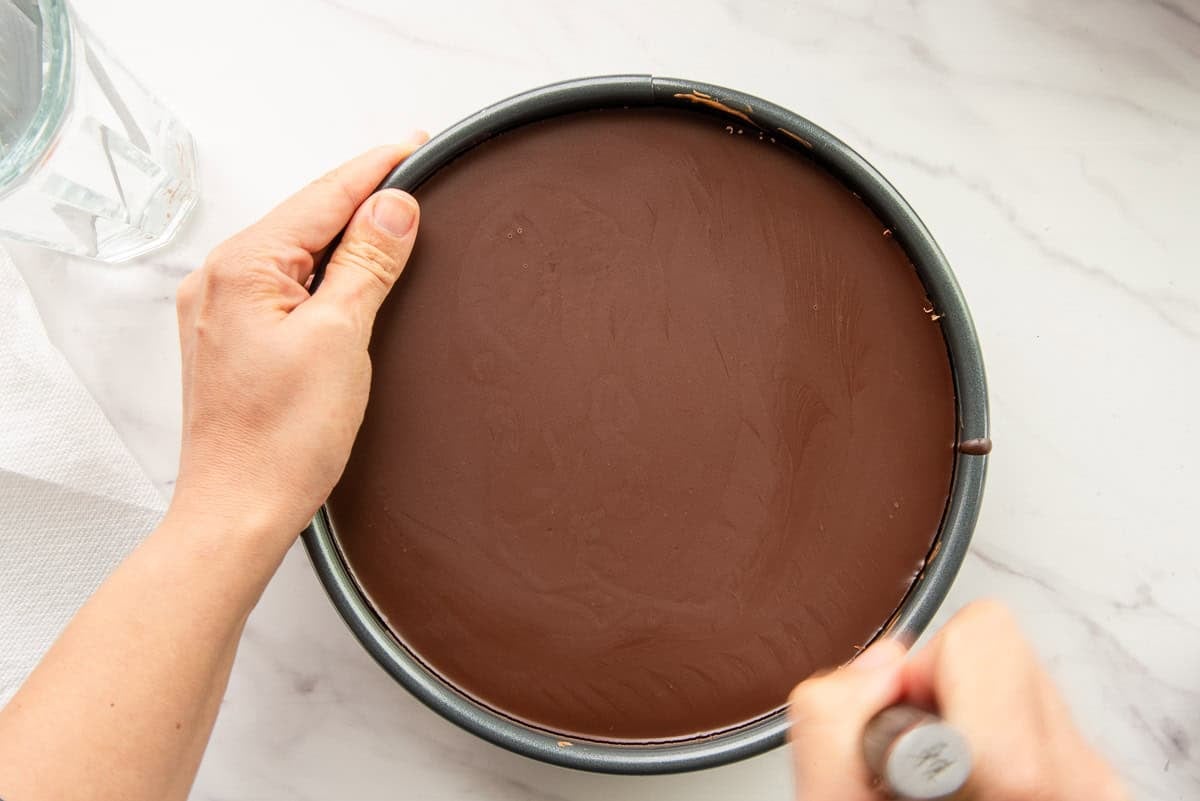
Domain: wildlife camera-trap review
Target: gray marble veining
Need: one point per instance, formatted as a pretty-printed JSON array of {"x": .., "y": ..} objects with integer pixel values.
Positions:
[{"x": 1052, "y": 147}]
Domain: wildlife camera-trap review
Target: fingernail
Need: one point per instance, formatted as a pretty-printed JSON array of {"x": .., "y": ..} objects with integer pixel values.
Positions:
[
  {"x": 880, "y": 655},
  {"x": 394, "y": 211}
]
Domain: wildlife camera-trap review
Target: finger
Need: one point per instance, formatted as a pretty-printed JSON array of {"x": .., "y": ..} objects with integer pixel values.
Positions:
[
  {"x": 828, "y": 715},
  {"x": 982, "y": 677},
  {"x": 312, "y": 217},
  {"x": 371, "y": 256},
  {"x": 975, "y": 659}
]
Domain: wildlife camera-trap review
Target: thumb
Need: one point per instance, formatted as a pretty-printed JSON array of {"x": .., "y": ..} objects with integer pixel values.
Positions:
[
  {"x": 829, "y": 713},
  {"x": 372, "y": 253}
]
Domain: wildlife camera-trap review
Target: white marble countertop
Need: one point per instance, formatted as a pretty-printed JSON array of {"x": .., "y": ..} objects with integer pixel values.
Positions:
[{"x": 1052, "y": 147}]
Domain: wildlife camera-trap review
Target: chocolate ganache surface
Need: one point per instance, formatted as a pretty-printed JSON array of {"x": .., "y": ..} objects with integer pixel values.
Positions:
[{"x": 660, "y": 424}]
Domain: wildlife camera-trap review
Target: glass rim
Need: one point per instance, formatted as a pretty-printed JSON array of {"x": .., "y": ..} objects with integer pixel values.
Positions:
[{"x": 38, "y": 138}]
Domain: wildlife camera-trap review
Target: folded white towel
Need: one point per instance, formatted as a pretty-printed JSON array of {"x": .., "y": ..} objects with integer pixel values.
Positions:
[{"x": 73, "y": 501}]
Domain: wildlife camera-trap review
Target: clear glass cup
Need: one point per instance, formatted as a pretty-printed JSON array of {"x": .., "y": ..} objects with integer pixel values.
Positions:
[{"x": 90, "y": 162}]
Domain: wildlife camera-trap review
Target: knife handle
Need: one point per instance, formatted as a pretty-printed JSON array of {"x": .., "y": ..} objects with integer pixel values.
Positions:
[{"x": 915, "y": 755}]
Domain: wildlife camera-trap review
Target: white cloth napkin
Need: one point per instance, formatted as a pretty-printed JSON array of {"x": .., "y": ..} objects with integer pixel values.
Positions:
[{"x": 73, "y": 501}]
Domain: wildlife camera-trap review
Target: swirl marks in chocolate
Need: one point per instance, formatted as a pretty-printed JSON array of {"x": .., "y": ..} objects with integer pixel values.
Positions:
[{"x": 657, "y": 428}]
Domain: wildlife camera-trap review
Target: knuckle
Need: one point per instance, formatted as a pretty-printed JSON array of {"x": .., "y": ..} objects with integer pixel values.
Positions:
[
  {"x": 186, "y": 293},
  {"x": 224, "y": 253},
  {"x": 990, "y": 613},
  {"x": 800, "y": 697},
  {"x": 333, "y": 183},
  {"x": 201, "y": 329},
  {"x": 810, "y": 699},
  {"x": 257, "y": 255},
  {"x": 219, "y": 272},
  {"x": 334, "y": 323},
  {"x": 262, "y": 263},
  {"x": 368, "y": 256}
]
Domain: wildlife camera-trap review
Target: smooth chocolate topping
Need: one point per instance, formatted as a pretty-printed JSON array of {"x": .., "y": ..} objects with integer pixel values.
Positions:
[{"x": 658, "y": 427}]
